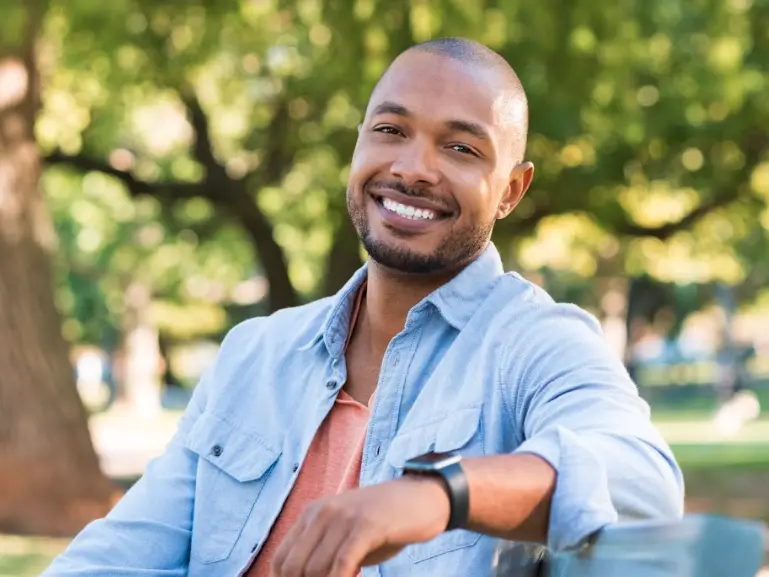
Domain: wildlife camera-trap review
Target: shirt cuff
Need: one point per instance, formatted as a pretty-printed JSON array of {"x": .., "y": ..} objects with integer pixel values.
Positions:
[{"x": 581, "y": 503}]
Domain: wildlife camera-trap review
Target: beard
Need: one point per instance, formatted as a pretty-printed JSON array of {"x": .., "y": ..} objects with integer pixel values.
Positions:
[{"x": 455, "y": 250}]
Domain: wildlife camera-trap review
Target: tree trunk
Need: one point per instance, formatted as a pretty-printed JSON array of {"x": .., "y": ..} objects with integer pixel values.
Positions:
[{"x": 51, "y": 482}]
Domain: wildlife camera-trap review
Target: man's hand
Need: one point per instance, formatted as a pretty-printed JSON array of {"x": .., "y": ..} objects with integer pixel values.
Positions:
[{"x": 334, "y": 537}]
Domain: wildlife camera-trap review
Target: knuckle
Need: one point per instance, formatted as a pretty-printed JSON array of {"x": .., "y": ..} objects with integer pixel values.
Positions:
[
  {"x": 345, "y": 555},
  {"x": 312, "y": 510},
  {"x": 344, "y": 564},
  {"x": 366, "y": 524},
  {"x": 329, "y": 511},
  {"x": 277, "y": 563},
  {"x": 290, "y": 568},
  {"x": 315, "y": 569},
  {"x": 277, "y": 568}
]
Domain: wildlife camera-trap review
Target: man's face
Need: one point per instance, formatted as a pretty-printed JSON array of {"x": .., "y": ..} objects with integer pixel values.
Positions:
[{"x": 434, "y": 167}]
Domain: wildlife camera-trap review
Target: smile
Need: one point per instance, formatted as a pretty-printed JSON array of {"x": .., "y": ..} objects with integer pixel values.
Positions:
[{"x": 407, "y": 211}]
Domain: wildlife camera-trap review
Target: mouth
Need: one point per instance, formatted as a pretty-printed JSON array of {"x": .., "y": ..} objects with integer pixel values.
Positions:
[
  {"x": 408, "y": 211},
  {"x": 409, "y": 208},
  {"x": 406, "y": 218}
]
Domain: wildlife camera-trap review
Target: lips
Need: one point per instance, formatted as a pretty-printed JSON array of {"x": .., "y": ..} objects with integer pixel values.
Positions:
[{"x": 391, "y": 199}]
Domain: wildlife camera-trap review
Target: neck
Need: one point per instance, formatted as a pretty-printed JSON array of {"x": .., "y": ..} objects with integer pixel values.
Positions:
[{"x": 390, "y": 296}]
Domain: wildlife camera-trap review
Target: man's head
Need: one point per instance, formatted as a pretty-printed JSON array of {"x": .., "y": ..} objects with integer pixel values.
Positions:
[{"x": 439, "y": 157}]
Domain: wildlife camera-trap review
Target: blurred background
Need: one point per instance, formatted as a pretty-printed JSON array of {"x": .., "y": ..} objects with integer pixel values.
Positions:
[{"x": 170, "y": 168}]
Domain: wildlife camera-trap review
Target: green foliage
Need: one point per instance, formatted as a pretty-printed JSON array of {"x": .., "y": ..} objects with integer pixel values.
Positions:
[
  {"x": 648, "y": 130},
  {"x": 107, "y": 241}
]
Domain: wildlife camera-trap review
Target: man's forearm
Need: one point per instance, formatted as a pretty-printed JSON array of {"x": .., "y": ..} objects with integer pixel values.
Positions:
[{"x": 510, "y": 496}]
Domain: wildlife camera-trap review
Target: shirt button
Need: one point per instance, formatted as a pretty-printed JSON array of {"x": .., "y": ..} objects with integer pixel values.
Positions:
[
  {"x": 396, "y": 359},
  {"x": 295, "y": 468},
  {"x": 216, "y": 450},
  {"x": 378, "y": 450},
  {"x": 331, "y": 385}
]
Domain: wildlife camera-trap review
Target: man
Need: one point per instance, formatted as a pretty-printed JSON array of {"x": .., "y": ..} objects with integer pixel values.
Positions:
[{"x": 325, "y": 440}]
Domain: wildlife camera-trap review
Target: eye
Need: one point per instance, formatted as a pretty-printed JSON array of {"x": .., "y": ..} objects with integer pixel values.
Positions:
[
  {"x": 463, "y": 149},
  {"x": 388, "y": 130}
]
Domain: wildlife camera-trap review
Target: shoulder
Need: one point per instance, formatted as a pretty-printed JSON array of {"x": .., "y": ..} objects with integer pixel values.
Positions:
[
  {"x": 525, "y": 309},
  {"x": 286, "y": 328},
  {"x": 533, "y": 329},
  {"x": 255, "y": 350}
]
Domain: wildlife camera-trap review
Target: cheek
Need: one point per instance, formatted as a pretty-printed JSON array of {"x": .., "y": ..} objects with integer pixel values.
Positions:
[
  {"x": 365, "y": 163},
  {"x": 474, "y": 195}
]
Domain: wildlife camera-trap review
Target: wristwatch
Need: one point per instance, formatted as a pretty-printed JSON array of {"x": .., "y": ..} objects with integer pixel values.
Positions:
[{"x": 447, "y": 468}]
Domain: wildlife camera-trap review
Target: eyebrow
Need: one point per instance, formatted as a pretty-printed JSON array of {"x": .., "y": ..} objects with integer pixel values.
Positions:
[
  {"x": 471, "y": 128},
  {"x": 468, "y": 127},
  {"x": 388, "y": 107}
]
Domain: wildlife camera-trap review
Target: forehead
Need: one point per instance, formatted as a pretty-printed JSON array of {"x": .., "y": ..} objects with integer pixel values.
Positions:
[{"x": 434, "y": 87}]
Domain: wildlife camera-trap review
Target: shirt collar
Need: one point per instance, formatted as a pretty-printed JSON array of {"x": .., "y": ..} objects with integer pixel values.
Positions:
[
  {"x": 456, "y": 301},
  {"x": 459, "y": 298}
]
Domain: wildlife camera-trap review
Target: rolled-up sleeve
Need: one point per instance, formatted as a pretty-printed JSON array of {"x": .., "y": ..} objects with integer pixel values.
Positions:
[
  {"x": 148, "y": 532},
  {"x": 577, "y": 408}
]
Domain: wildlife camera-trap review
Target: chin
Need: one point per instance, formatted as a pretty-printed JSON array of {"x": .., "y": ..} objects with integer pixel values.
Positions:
[{"x": 403, "y": 256}]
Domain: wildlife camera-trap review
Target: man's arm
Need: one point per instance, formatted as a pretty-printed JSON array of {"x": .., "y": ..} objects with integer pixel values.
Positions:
[
  {"x": 580, "y": 413},
  {"x": 589, "y": 456},
  {"x": 148, "y": 532}
]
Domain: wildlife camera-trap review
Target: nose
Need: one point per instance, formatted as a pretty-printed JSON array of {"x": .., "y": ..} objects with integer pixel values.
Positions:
[{"x": 416, "y": 165}]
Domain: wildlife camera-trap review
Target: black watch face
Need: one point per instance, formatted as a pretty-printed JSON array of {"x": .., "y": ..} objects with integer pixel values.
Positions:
[{"x": 431, "y": 461}]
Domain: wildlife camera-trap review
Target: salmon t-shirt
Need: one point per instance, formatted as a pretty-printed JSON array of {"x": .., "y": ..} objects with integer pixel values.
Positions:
[{"x": 332, "y": 464}]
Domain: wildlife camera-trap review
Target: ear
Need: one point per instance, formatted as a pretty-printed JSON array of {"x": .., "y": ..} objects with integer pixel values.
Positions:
[{"x": 520, "y": 180}]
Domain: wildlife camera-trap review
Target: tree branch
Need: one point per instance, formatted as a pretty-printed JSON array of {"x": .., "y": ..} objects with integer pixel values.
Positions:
[
  {"x": 278, "y": 161},
  {"x": 234, "y": 198},
  {"x": 665, "y": 231},
  {"x": 203, "y": 147},
  {"x": 754, "y": 146},
  {"x": 164, "y": 191}
]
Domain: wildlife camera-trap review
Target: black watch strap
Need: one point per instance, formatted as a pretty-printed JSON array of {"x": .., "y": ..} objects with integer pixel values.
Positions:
[{"x": 454, "y": 478}]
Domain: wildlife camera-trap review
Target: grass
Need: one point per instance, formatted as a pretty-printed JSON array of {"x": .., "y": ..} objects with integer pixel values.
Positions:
[{"x": 27, "y": 556}]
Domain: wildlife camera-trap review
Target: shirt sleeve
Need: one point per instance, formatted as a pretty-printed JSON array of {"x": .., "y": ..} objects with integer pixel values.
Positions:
[
  {"x": 578, "y": 409},
  {"x": 148, "y": 532}
]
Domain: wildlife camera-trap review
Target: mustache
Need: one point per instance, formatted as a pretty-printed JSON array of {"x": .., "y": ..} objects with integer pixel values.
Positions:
[{"x": 414, "y": 192}]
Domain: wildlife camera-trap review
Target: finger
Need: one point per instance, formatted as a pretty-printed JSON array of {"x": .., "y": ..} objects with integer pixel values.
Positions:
[
  {"x": 286, "y": 546},
  {"x": 296, "y": 546},
  {"x": 320, "y": 561},
  {"x": 352, "y": 551}
]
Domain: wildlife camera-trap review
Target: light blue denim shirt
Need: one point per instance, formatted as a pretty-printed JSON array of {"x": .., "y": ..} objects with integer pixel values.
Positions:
[{"x": 486, "y": 364}]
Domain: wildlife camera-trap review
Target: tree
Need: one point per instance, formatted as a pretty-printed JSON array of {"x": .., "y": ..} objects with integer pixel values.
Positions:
[
  {"x": 644, "y": 122},
  {"x": 51, "y": 481}
]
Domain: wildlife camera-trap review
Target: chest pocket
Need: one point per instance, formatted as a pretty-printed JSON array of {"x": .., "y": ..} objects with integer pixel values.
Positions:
[
  {"x": 232, "y": 470},
  {"x": 460, "y": 431}
]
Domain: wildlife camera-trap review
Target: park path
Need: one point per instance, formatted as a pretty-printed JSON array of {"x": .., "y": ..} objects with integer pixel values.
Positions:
[{"x": 125, "y": 443}]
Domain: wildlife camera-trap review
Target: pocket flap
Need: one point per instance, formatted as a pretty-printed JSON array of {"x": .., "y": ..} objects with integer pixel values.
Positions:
[
  {"x": 243, "y": 456},
  {"x": 451, "y": 433}
]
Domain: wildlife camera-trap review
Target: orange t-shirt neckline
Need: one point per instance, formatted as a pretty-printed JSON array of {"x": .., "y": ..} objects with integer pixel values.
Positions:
[{"x": 332, "y": 464}]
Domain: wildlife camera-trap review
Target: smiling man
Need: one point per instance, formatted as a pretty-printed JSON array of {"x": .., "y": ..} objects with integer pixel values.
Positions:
[{"x": 434, "y": 403}]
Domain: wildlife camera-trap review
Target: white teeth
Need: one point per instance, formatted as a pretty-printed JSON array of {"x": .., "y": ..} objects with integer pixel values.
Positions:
[{"x": 406, "y": 211}]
